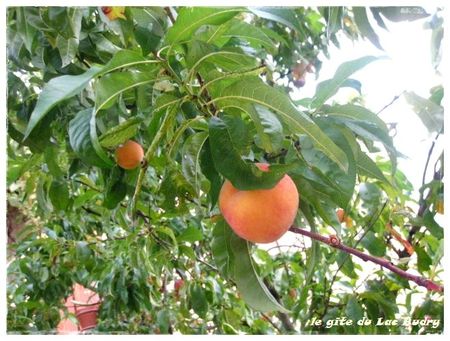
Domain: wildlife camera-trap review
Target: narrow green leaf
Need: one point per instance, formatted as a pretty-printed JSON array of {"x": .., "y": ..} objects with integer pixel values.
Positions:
[
  {"x": 364, "y": 27},
  {"x": 369, "y": 168},
  {"x": 403, "y": 13},
  {"x": 121, "y": 133},
  {"x": 431, "y": 114},
  {"x": 211, "y": 174},
  {"x": 56, "y": 91},
  {"x": 253, "y": 90},
  {"x": 221, "y": 248},
  {"x": 24, "y": 29},
  {"x": 232, "y": 254},
  {"x": 196, "y": 122},
  {"x": 354, "y": 112},
  {"x": 246, "y": 32},
  {"x": 328, "y": 88},
  {"x": 190, "y": 19},
  {"x": 190, "y": 162},
  {"x": 125, "y": 59},
  {"x": 111, "y": 85},
  {"x": 285, "y": 16}
]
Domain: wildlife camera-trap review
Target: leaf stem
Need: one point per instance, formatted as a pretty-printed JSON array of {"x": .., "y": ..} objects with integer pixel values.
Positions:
[
  {"x": 150, "y": 152},
  {"x": 334, "y": 242}
]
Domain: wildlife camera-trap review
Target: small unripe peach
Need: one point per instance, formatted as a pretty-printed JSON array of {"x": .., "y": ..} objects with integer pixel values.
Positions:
[
  {"x": 263, "y": 215},
  {"x": 129, "y": 155}
]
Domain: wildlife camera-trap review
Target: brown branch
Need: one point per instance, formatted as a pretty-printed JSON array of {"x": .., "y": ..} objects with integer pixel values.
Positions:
[{"x": 335, "y": 242}]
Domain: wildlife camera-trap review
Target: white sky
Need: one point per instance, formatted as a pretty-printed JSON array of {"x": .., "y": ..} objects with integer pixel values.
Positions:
[{"x": 408, "y": 68}]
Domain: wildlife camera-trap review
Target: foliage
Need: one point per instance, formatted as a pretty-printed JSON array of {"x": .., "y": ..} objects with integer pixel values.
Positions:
[{"x": 207, "y": 95}]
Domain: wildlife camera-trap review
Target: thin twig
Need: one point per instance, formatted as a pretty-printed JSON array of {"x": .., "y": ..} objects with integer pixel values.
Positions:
[
  {"x": 390, "y": 103},
  {"x": 334, "y": 242}
]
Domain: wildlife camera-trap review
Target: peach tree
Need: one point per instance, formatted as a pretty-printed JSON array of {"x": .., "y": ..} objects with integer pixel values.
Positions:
[{"x": 206, "y": 93}]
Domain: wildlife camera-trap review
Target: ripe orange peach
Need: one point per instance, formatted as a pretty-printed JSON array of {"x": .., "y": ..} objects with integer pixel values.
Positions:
[
  {"x": 263, "y": 215},
  {"x": 129, "y": 155}
]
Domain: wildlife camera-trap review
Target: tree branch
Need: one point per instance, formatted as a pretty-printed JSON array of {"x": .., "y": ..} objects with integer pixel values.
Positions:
[{"x": 335, "y": 242}]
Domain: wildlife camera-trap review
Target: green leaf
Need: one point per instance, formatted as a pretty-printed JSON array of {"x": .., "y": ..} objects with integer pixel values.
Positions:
[
  {"x": 252, "y": 90},
  {"x": 147, "y": 40},
  {"x": 344, "y": 261},
  {"x": 150, "y": 17},
  {"x": 364, "y": 27},
  {"x": 125, "y": 59},
  {"x": 116, "y": 188},
  {"x": 369, "y": 168},
  {"x": 163, "y": 320},
  {"x": 268, "y": 127},
  {"x": 228, "y": 162},
  {"x": 211, "y": 174},
  {"x": 430, "y": 223},
  {"x": 51, "y": 159},
  {"x": 194, "y": 123},
  {"x": 83, "y": 252},
  {"x": 191, "y": 234},
  {"x": 356, "y": 113},
  {"x": 59, "y": 194},
  {"x": 221, "y": 248},
  {"x": 232, "y": 255},
  {"x": 243, "y": 31},
  {"x": 353, "y": 309},
  {"x": 402, "y": 13},
  {"x": 423, "y": 260},
  {"x": 121, "y": 133},
  {"x": 326, "y": 89},
  {"x": 374, "y": 245},
  {"x": 285, "y": 16},
  {"x": 202, "y": 54},
  {"x": 431, "y": 114},
  {"x": 80, "y": 141},
  {"x": 352, "y": 83},
  {"x": 56, "y": 91},
  {"x": 250, "y": 33},
  {"x": 198, "y": 300},
  {"x": 68, "y": 49},
  {"x": 190, "y": 161},
  {"x": 24, "y": 29},
  {"x": 113, "y": 84},
  {"x": 190, "y": 19}
]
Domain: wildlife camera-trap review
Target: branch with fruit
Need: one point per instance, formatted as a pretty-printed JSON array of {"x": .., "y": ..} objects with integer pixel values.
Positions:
[
  {"x": 335, "y": 242},
  {"x": 264, "y": 215}
]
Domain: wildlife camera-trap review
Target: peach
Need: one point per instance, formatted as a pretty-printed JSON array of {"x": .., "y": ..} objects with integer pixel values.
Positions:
[
  {"x": 129, "y": 155},
  {"x": 263, "y": 215}
]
